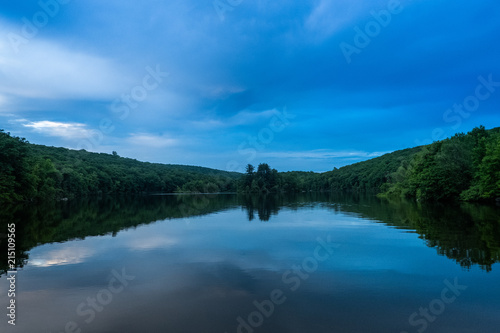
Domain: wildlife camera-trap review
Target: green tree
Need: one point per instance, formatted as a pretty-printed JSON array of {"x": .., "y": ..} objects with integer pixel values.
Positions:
[
  {"x": 487, "y": 177},
  {"x": 15, "y": 181},
  {"x": 47, "y": 179}
]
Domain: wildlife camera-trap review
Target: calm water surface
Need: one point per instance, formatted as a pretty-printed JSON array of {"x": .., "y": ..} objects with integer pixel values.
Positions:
[{"x": 228, "y": 263}]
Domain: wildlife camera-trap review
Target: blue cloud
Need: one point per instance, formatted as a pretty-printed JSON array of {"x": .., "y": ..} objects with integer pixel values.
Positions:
[{"x": 226, "y": 74}]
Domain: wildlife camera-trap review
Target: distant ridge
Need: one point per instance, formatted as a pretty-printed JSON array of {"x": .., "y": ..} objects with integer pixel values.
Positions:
[
  {"x": 36, "y": 172},
  {"x": 465, "y": 166}
]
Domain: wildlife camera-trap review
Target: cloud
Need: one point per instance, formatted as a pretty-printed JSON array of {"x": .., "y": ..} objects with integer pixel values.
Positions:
[
  {"x": 59, "y": 129},
  {"x": 13, "y": 121},
  {"x": 249, "y": 117},
  {"x": 220, "y": 91},
  {"x": 329, "y": 17},
  {"x": 242, "y": 118},
  {"x": 3, "y": 103},
  {"x": 45, "y": 69},
  {"x": 227, "y": 76},
  {"x": 151, "y": 141},
  {"x": 323, "y": 154}
]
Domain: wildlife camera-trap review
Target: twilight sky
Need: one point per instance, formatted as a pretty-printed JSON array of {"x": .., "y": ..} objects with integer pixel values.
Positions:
[{"x": 301, "y": 85}]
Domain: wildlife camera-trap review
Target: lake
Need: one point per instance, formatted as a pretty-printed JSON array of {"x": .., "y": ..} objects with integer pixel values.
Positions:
[{"x": 309, "y": 262}]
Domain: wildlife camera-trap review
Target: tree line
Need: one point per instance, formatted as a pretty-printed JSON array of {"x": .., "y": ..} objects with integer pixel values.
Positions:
[
  {"x": 35, "y": 172},
  {"x": 465, "y": 167}
]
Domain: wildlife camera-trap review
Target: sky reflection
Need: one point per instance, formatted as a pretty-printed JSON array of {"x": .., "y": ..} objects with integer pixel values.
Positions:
[{"x": 202, "y": 273}]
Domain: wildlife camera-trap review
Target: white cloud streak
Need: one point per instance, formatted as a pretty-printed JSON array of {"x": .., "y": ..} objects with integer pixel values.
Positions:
[
  {"x": 244, "y": 117},
  {"x": 323, "y": 154},
  {"x": 59, "y": 129},
  {"x": 151, "y": 141}
]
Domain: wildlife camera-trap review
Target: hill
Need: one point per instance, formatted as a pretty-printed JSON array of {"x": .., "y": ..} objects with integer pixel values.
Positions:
[
  {"x": 29, "y": 172},
  {"x": 371, "y": 174},
  {"x": 465, "y": 166}
]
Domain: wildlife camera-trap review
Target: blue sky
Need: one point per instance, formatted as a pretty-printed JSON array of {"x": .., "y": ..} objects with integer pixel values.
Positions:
[{"x": 301, "y": 85}]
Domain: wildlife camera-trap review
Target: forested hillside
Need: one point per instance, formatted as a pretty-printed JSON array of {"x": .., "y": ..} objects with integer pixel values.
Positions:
[
  {"x": 466, "y": 167},
  {"x": 363, "y": 176},
  {"x": 29, "y": 172},
  {"x": 368, "y": 175}
]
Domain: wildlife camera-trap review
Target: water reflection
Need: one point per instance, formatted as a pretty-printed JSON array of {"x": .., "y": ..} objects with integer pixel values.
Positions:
[
  {"x": 198, "y": 263},
  {"x": 466, "y": 233},
  {"x": 265, "y": 205}
]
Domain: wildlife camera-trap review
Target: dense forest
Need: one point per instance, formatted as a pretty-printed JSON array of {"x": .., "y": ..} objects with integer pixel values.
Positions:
[
  {"x": 363, "y": 176},
  {"x": 33, "y": 172},
  {"x": 465, "y": 167}
]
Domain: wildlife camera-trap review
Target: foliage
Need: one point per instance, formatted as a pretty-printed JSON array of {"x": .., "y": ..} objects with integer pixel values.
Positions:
[
  {"x": 466, "y": 166},
  {"x": 15, "y": 180},
  {"x": 265, "y": 180},
  {"x": 35, "y": 172},
  {"x": 369, "y": 175}
]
